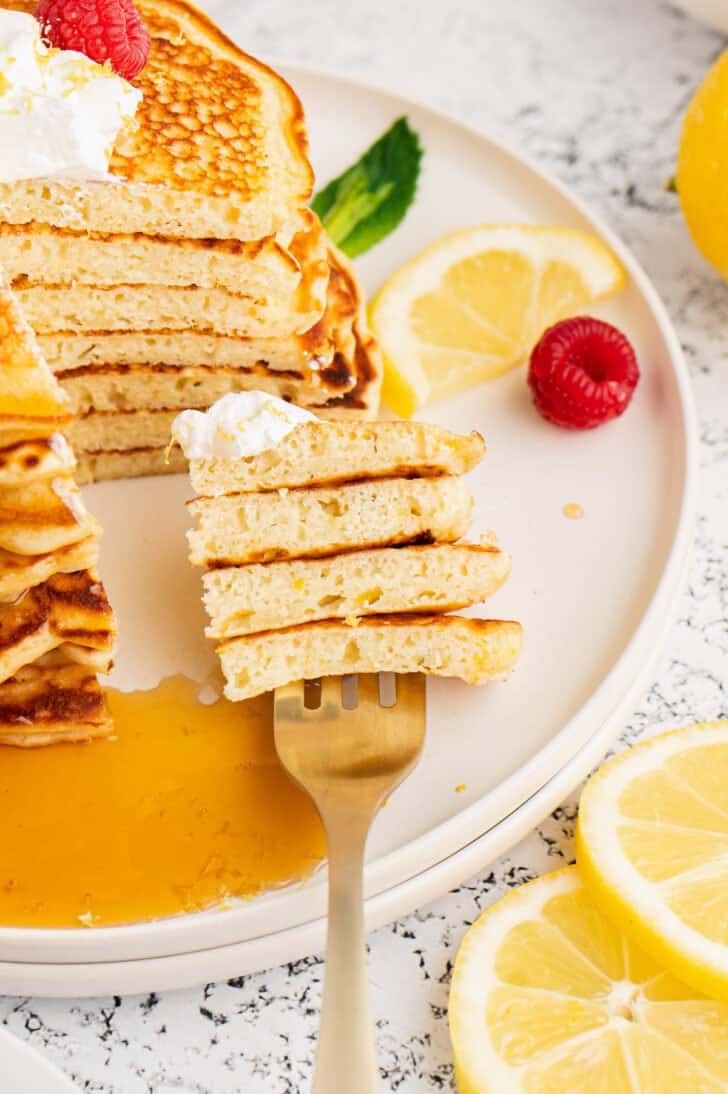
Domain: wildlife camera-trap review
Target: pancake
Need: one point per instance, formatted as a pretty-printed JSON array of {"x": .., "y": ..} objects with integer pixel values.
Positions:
[
  {"x": 79, "y": 307},
  {"x": 475, "y": 650},
  {"x": 69, "y": 613},
  {"x": 129, "y": 464},
  {"x": 261, "y": 597},
  {"x": 220, "y": 148},
  {"x": 70, "y": 351},
  {"x": 101, "y": 431},
  {"x": 42, "y": 458},
  {"x": 111, "y": 388},
  {"x": 50, "y": 703},
  {"x": 21, "y": 572},
  {"x": 316, "y": 521},
  {"x": 317, "y": 453},
  {"x": 41, "y": 253},
  {"x": 43, "y": 515},
  {"x": 31, "y": 402}
]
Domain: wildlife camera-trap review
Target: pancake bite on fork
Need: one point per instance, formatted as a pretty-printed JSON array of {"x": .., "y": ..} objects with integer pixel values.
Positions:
[{"x": 333, "y": 548}]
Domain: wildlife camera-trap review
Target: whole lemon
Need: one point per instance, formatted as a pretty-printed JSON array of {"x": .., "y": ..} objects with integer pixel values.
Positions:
[{"x": 702, "y": 167}]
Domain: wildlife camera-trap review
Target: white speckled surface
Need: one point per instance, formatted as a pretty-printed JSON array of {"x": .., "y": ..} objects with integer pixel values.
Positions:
[{"x": 593, "y": 91}]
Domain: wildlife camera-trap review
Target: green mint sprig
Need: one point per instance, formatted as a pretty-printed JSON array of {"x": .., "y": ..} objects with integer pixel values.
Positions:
[{"x": 371, "y": 198}]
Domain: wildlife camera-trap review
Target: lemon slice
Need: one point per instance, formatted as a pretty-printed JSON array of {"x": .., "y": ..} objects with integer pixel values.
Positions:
[
  {"x": 474, "y": 304},
  {"x": 548, "y": 997},
  {"x": 652, "y": 846}
]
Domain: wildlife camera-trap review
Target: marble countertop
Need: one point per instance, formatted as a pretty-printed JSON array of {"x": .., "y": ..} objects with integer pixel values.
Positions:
[{"x": 594, "y": 92}]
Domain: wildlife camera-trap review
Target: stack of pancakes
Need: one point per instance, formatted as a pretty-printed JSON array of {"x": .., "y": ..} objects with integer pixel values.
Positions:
[
  {"x": 57, "y": 629},
  {"x": 335, "y": 552},
  {"x": 199, "y": 270}
]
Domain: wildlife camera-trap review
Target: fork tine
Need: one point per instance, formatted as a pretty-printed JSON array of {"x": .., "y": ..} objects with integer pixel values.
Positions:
[
  {"x": 369, "y": 689},
  {"x": 331, "y": 690},
  {"x": 288, "y": 701},
  {"x": 411, "y": 692}
]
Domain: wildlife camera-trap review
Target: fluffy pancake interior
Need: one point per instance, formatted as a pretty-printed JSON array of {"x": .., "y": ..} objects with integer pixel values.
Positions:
[
  {"x": 313, "y": 453},
  {"x": 475, "y": 650},
  {"x": 41, "y": 253},
  {"x": 245, "y": 599},
  {"x": 313, "y": 521}
]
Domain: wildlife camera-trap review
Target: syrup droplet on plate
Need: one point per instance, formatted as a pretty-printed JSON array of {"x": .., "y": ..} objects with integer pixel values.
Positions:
[{"x": 573, "y": 511}]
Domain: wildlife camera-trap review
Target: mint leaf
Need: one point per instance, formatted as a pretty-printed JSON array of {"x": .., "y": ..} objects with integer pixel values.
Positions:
[{"x": 367, "y": 202}]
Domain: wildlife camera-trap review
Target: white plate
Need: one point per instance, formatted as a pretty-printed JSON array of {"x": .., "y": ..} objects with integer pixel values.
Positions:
[
  {"x": 25, "y": 1071},
  {"x": 594, "y": 595}
]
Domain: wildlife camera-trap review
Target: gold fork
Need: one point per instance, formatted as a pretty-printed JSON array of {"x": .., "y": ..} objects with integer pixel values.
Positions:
[{"x": 348, "y": 757}]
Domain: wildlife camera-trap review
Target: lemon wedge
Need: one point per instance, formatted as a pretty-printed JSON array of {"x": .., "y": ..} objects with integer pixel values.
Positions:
[
  {"x": 472, "y": 305},
  {"x": 547, "y": 996},
  {"x": 652, "y": 847}
]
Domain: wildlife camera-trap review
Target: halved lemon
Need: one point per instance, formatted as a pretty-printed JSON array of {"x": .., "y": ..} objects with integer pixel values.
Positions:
[
  {"x": 472, "y": 305},
  {"x": 652, "y": 848},
  {"x": 702, "y": 165},
  {"x": 547, "y": 997}
]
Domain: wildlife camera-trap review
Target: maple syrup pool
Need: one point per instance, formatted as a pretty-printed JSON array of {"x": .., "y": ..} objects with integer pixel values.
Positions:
[{"x": 187, "y": 807}]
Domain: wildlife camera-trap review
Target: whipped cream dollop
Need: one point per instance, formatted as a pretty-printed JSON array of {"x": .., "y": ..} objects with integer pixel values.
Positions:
[
  {"x": 241, "y": 424},
  {"x": 60, "y": 113}
]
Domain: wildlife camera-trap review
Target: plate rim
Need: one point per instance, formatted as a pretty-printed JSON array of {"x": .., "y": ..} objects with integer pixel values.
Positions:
[{"x": 658, "y": 615}]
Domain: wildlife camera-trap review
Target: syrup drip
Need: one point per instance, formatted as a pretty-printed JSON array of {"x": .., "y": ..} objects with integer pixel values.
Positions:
[{"x": 186, "y": 808}]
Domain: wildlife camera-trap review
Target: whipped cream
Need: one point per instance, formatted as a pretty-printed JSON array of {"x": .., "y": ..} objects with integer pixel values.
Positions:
[
  {"x": 60, "y": 113},
  {"x": 237, "y": 425}
]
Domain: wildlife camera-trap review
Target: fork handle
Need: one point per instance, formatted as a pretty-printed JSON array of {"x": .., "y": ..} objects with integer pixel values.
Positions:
[{"x": 346, "y": 1059}]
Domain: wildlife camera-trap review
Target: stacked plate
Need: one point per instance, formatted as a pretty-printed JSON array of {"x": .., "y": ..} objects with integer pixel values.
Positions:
[{"x": 595, "y": 595}]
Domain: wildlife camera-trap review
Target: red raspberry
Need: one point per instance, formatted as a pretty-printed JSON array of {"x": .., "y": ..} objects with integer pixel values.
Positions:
[
  {"x": 582, "y": 373},
  {"x": 105, "y": 30}
]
